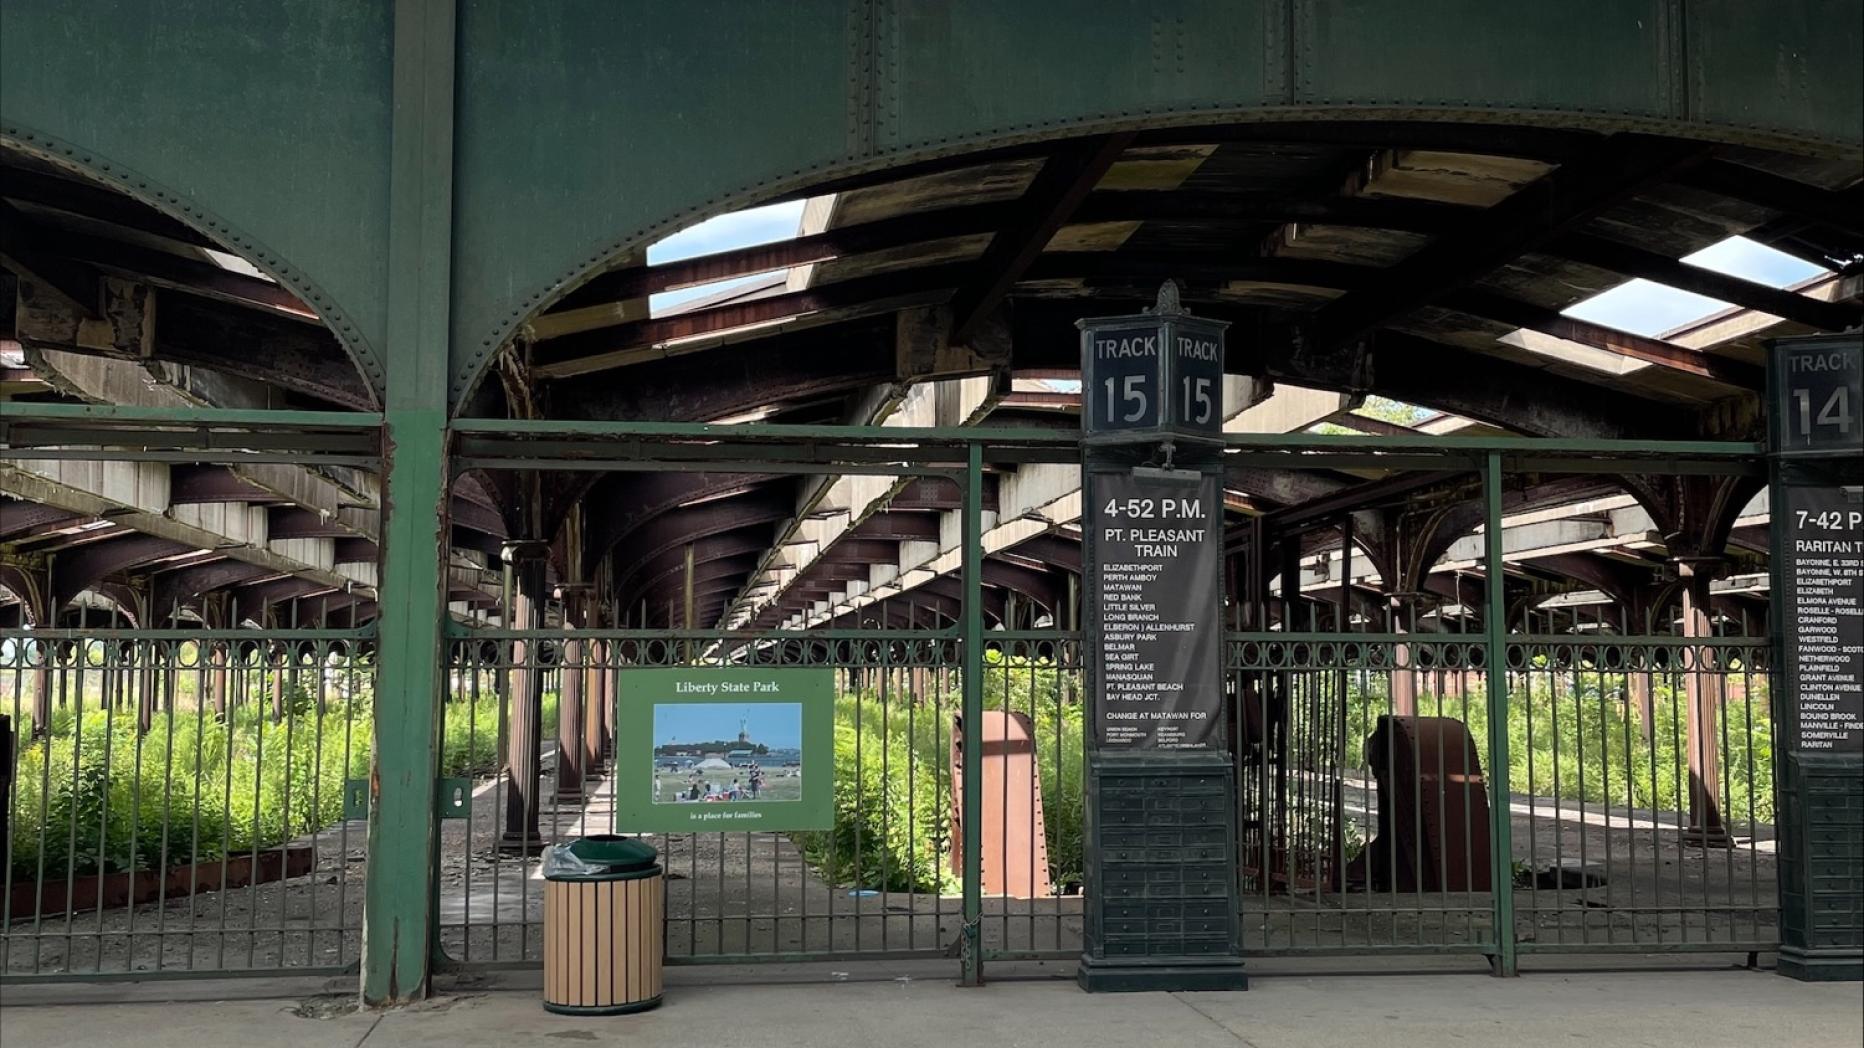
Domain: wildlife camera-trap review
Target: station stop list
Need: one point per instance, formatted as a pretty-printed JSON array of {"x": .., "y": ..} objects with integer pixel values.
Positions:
[
  {"x": 1824, "y": 577},
  {"x": 1156, "y": 581},
  {"x": 1817, "y": 422}
]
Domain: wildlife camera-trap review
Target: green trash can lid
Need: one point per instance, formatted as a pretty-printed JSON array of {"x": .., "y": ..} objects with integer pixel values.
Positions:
[{"x": 619, "y": 854}]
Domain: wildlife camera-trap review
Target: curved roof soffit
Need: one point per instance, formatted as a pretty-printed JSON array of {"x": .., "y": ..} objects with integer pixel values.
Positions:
[
  {"x": 194, "y": 213},
  {"x": 816, "y": 93},
  {"x": 1704, "y": 72}
]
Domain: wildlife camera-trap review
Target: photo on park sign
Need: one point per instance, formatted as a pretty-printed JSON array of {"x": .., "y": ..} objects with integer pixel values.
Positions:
[{"x": 724, "y": 748}]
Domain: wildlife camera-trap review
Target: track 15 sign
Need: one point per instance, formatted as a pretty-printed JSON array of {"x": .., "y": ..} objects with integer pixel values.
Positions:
[
  {"x": 1122, "y": 382},
  {"x": 1157, "y": 373}
]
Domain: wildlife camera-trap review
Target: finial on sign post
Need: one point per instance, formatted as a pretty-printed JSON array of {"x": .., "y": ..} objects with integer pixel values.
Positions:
[{"x": 1169, "y": 293}]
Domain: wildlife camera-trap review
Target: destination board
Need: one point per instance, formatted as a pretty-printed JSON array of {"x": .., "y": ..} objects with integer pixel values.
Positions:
[
  {"x": 1823, "y": 618},
  {"x": 1155, "y": 583}
]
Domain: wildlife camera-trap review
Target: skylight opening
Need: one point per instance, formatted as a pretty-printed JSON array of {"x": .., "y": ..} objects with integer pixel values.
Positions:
[
  {"x": 757, "y": 225},
  {"x": 666, "y": 302},
  {"x": 770, "y": 224},
  {"x": 1397, "y": 412},
  {"x": 236, "y": 264},
  {"x": 1644, "y": 307},
  {"x": 1377, "y": 409},
  {"x": 1738, "y": 256}
]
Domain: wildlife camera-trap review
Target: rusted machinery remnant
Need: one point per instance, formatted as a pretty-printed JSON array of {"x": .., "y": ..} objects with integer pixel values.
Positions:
[
  {"x": 1433, "y": 809},
  {"x": 1015, "y": 841}
]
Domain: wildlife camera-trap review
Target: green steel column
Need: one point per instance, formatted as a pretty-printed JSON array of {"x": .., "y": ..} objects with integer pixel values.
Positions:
[
  {"x": 972, "y": 946},
  {"x": 401, "y": 905},
  {"x": 1495, "y": 661}
]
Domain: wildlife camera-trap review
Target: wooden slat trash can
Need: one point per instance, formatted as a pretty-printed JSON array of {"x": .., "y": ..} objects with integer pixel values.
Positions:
[{"x": 604, "y": 908}]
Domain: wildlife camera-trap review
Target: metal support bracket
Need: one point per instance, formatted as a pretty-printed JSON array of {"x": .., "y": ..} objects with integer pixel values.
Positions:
[
  {"x": 453, "y": 798},
  {"x": 355, "y": 799}
]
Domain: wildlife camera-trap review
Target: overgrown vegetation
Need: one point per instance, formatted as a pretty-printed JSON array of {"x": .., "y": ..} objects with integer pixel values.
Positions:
[
  {"x": 1573, "y": 736},
  {"x": 1570, "y": 735},
  {"x": 100, "y": 797},
  {"x": 892, "y": 828},
  {"x": 469, "y": 733},
  {"x": 893, "y": 791}
]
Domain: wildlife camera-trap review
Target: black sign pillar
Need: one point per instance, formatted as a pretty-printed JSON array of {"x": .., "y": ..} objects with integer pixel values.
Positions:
[
  {"x": 1817, "y": 515},
  {"x": 1161, "y": 792}
]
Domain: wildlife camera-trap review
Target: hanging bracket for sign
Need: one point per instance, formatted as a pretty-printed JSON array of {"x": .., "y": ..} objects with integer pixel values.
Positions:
[{"x": 1186, "y": 478}]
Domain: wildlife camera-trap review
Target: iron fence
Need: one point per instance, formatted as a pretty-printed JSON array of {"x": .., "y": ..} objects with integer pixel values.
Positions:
[
  {"x": 189, "y": 801},
  {"x": 1646, "y": 794},
  {"x": 885, "y": 879},
  {"x": 184, "y": 801},
  {"x": 1338, "y": 781},
  {"x": 1638, "y": 816}
]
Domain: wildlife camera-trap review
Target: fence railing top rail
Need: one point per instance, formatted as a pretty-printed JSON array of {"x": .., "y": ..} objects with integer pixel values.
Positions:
[
  {"x": 523, "y": 440},
  {"x": 1567, "y": 640},
  {"x": 117, "y": 432},
  {"x": 464, "y": 631},
  {"x": 78, "y": 633}
]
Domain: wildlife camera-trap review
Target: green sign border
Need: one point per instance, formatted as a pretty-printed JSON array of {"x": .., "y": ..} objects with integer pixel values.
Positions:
[{"x": 639, "y": 690}]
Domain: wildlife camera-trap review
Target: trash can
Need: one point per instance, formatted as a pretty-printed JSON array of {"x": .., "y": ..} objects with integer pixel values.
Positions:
[{"x": 604, "y": 932}]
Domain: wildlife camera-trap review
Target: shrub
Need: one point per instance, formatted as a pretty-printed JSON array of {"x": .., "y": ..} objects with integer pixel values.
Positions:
[
  {"x": 892, "y": 806},
  {"x": 100, "y": 797},
  {"x": 469, "y": 734},
  {"x": 893, "y": 795}
]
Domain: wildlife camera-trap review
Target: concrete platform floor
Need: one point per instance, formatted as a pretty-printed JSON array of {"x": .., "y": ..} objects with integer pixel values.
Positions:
[{"x": 898, "y": 1007}]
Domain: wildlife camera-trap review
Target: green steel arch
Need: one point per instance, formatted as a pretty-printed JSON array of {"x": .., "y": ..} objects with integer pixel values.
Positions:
[
  {"x": 581, "y": 130},
  {"x": 792, "y": 94},
  {"x": 265, "y": 128}
]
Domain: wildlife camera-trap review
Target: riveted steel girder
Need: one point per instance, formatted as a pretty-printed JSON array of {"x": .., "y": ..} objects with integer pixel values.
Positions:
[
  {"x": 681, "y": 526},
  {"x": 622, "y": 503},
  {"x": 174, "y": 588},
  {"x": 90, "y": 564}
]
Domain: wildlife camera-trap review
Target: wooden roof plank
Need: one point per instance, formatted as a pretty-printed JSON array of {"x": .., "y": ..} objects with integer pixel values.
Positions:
[
  {"x": 1572, "y": 193},
  {"x": 1066, "y": 178}
]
